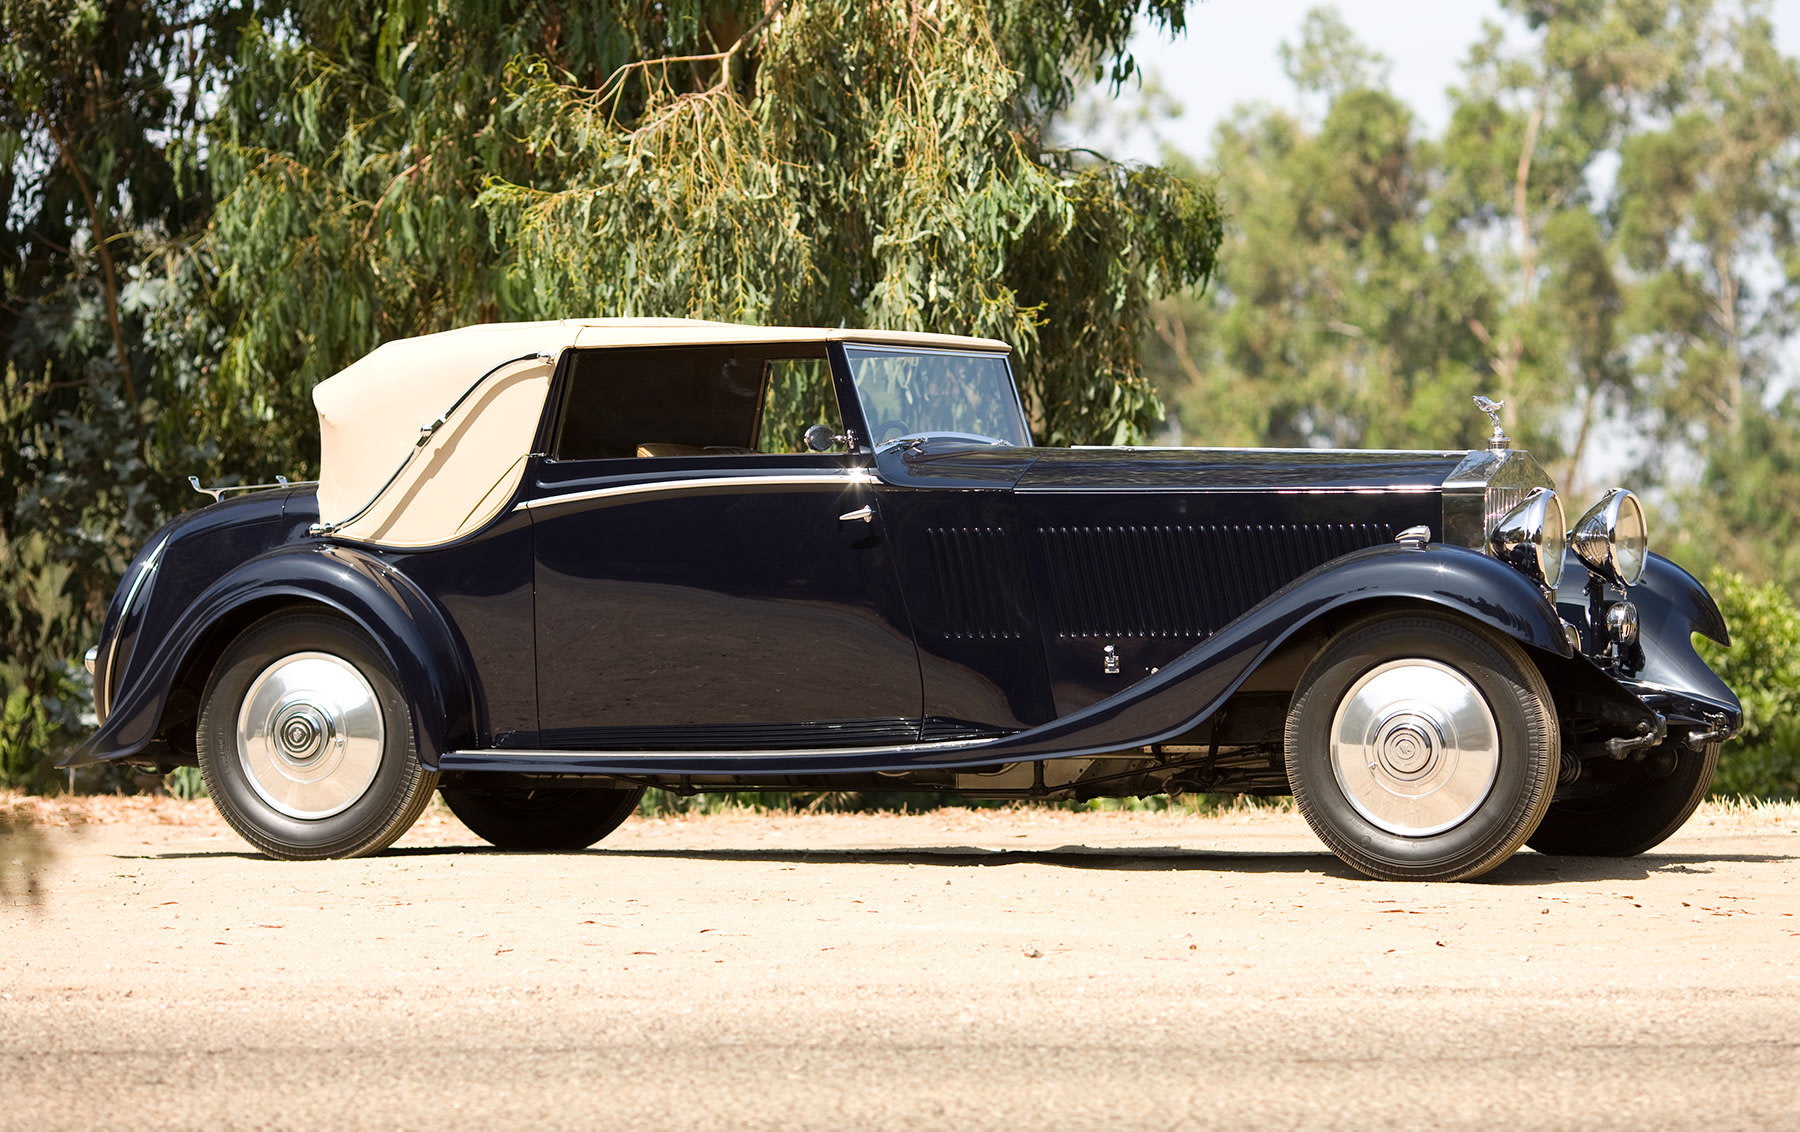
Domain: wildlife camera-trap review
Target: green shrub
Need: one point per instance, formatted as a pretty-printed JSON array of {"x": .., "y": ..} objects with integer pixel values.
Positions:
[{"x": 1763, "y": 667}]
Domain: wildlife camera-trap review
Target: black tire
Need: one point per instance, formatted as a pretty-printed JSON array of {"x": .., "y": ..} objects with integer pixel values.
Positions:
[
  {"x": 552, "y": 818},
  {"x": 281, "y": 789},
  {"x": 1625, "y": 817},
  {"x": 1397, "y": 804}
]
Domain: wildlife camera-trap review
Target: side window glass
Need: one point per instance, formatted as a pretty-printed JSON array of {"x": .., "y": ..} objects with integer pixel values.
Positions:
[
  {"x": 672, "y": 401},
  {"x": 797, "y": 394}
]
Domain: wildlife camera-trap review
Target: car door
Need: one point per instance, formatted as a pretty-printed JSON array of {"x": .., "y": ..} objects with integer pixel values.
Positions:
[{"x": 703, "y": 581}]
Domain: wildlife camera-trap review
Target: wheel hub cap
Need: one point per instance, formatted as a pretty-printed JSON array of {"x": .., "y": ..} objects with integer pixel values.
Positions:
[
  {"x": 310, "y": 735},
  {"x": 1415, "y": 747}
]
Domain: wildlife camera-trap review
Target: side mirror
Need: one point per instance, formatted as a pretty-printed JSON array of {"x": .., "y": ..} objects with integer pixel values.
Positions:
[{"x": 820, "y": 438}]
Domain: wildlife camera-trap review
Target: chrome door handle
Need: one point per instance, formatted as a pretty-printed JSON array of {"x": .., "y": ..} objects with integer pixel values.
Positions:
[{"x": 865, "y": 513}]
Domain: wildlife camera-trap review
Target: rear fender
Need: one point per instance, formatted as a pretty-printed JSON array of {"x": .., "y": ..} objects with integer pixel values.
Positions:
[{"x": 409, "y": 629}]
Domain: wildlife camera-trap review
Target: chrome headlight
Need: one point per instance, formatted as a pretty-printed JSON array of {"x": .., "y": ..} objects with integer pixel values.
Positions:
[
  {"x": 1612, "y": 540},
  {"x": 1530, "y": 537}
]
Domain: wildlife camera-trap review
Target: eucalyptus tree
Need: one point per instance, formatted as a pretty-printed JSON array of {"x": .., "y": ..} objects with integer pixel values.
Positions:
[
  {"x": 1341, "y": 314},
  {"x": 826, "y": 161},
  {"x": 100, "y": 102}
]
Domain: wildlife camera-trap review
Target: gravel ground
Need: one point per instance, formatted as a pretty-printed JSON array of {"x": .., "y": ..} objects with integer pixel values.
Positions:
[{"x": 957, "y": 969}]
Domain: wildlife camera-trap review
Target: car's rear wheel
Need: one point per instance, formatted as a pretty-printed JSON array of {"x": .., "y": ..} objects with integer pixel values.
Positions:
[
  {"x": 1422, "y": 748},
  {"x": 567, "y": 817},
  {"x": 1630, "y": 814},
  {"x": 306, "y": 745}
]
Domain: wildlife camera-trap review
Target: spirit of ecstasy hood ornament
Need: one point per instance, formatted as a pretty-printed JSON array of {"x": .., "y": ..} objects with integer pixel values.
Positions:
[{"x": 1499, "y": 442}]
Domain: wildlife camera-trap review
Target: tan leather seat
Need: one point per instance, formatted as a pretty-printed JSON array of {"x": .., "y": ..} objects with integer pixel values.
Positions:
[{"x": 660, "y": 448}]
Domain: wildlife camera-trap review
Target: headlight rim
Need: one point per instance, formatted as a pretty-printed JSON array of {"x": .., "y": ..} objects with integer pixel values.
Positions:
[
  {"x": 1595, "y": 538},
  {"x": 1518, "y": 537}
]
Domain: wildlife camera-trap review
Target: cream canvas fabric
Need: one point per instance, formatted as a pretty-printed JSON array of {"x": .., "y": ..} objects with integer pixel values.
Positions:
[{"x": 371, "y": 413}]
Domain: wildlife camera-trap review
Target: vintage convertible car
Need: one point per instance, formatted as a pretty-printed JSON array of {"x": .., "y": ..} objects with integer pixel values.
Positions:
[{"x": 550, "y": 564}]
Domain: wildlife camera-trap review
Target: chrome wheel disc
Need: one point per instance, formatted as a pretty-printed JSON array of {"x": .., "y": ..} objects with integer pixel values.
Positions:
[
  {"x": 310, "y": 735},
  {"x": 1415, "y": 747}
]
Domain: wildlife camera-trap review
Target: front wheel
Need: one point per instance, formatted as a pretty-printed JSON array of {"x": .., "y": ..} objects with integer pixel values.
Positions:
[
  {"x": 1422, "y": 748},
  {"x": 547, "y": 818},
  {"x": 305, "y": 743}
]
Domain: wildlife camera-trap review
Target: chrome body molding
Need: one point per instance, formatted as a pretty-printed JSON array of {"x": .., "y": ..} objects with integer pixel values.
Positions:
[
  {"x": 855, "y": 477},
  {"x": 218, "y": 493},
  {"x": 900, "y": 755},
  {"x": 103, "y": 680},
  {"x": 1214, "y": 489}
]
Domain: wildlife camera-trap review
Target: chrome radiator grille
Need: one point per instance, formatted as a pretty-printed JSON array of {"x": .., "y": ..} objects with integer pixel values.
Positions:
[
  {"x": 1186, "y": 581},
  {"x": 1500, "y": 500}
]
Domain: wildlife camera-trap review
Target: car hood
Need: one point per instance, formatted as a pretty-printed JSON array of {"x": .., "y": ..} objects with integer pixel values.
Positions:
[
  {"x": 1174, "y": 469},
  {"x": 1237, "y": 469}
]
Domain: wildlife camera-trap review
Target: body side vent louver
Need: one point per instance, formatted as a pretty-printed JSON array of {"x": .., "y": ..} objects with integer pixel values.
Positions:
[
  {"x": 977, "y": 571},
  {"x": 1186, "y": 581}
]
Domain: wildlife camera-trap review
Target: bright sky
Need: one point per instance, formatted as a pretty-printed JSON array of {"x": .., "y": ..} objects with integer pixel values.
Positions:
[{"x": 1228, "y": 56}]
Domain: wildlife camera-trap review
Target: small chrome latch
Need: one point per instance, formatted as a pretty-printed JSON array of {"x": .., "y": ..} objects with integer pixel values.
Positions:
[
  {"x": 1112, "y": 661},
  {"x": 865, "y": 513},
  {"x": 1415, "y": 537}
]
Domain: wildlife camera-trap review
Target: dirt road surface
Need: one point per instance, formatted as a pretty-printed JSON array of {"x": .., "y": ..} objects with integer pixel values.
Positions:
[{"x": 957, "y": 970}]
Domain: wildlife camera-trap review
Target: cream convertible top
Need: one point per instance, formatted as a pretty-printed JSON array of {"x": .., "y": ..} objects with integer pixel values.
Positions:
[{"x": 425, "y": 439}]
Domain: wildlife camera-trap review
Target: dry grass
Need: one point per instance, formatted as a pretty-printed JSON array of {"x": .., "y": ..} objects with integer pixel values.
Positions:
[{"x": 23, "y": 810}]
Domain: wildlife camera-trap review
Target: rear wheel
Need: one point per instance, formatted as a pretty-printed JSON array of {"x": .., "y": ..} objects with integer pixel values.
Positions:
[
  {"x": 305, "y": 744},
  {"x": 565, "y": 817},
  {"x": 1422, "y": 748},
  {"x": 1634, "y": 813}
]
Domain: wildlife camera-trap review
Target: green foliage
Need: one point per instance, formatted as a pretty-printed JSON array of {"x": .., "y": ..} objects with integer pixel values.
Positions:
[
  {"x": 1762, "y": 665},
  {"x": 822, "y": 162},
  {"x": 1744, "y": 513},
  {"x": 1341, "y": 315},
  {"x": 99, "y": 106}
]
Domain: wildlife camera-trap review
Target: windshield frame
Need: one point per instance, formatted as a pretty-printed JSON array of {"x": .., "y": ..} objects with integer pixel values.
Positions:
[{"x": 852, "y": 350}]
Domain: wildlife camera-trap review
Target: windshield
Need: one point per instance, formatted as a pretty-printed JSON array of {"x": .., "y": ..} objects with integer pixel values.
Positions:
[{"x": 927, "y": 392}]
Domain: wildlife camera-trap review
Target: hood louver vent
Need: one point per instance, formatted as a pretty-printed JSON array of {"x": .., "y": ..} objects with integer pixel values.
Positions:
[
  {"x": 1183, "y": 581},
  {"x": 978, "y": 571}
]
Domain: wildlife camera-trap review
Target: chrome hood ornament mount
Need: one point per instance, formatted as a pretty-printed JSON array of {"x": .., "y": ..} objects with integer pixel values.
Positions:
[{"x": 1499, "y": 442}]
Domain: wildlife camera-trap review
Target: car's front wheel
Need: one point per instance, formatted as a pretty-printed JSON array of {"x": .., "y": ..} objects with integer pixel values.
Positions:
[
  {"x": 306, "y": 745},
  {"x": 1422, "y": 748},
  {"x": 564, "y": 817}
]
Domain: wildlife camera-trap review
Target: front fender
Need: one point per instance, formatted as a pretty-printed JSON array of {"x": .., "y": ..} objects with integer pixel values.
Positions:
[
  {"x": 1672, "y": 606},
  {"x": 411, "y": 631},
  {"x": 1183, "y": 694}
]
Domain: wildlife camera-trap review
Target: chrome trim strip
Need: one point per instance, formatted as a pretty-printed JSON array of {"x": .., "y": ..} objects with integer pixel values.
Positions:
[
  {"x": 1446, "y": 452},
  {"x": 1210, "y": 489},
  {"x": 103, "y": 687},
  {"x": 853, "y": 477},
  {"x": 218, "y": 493},
  {"x": 791, "y": 753}
]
